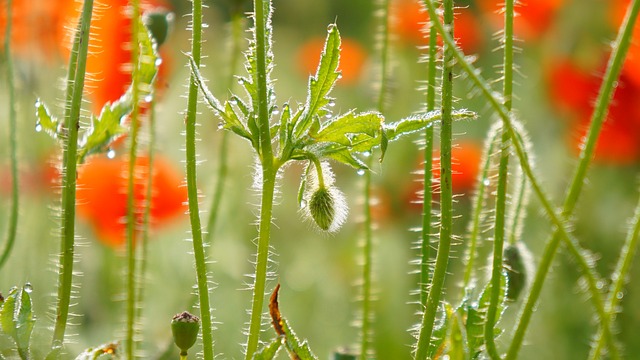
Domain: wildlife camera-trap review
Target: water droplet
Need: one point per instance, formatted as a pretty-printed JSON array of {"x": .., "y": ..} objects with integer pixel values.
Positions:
[
  {"x": 148, "y": 98},
  {"x": 328, "y": 116},
  {"x": 233, "y": 101},
  {"x": 339, "y": 75},
  {"x": 486, "y": 182},
  {"x": 158, "y": 62},
  {"x": 38, "y": 127},
  {"x": 619, "y": 295},
  {"x": 366, "y": 153},
  {"x": 303, "y": 204},
  {"x": 220, "y": 126},
  {"x": 111, "y": 153},
  {"x": 331, "y": 27},
  {"x": 38, "y": 103},
  {"x": 331, "y": 103},
  {"x": 275, "y": 110},
  {"x": 205, "y": 25},
  {"x": 28, "y": 288},
  {"x": 600, "y": 284},
  {"x": 240, "y": 81},
  {"x": 360, "y": 172}
]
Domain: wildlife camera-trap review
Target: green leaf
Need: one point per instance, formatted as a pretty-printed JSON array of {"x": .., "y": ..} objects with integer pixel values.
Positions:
[
  {"x": 322, "y": 83},
  {"x": 439, "y": 335},
  {"x": 7, "y": 313},
  {"x": 457, "y": 346},
  {"x": 108, "y": 126},
  {"x": 476, "y": 317},
  {"x": 359, "y": 132},
  {"x": 268, "y": 352},
  {"x": 294, "y": 346},
  {"x": 24, "y": 320},
  {"x": 420, "y": 121},
  {"x": 45, "y": 121}
]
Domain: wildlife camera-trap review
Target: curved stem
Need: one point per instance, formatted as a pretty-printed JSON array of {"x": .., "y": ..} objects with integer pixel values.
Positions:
[
  {"x": 446, "y": 194},
  {"x": 561, "y": 232},
  {"x": 13, "y": 217},
  {"x": 269, "y": 171},
  {"x": 192, "y": 187},
  {"x": 223, "y": 156},
  {"x": 132, "y": 206},
  {"x": 77, "y": 66}
]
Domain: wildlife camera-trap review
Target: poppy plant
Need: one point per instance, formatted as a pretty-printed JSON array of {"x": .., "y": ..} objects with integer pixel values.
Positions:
[{"x": 102, "y": 195}]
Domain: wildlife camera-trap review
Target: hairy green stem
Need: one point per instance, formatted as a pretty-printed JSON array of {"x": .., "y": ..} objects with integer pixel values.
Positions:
[
  {"x": 132, "y": 206},
  {"x": 223, "y": 155},
  {"x": 427, "y": 189},
  {"x": 192, "y": 187},
  {"x": 13, "y": 145},
  {"x": 269, "y": 171},
  {"x": 77, "y": 65},
  {"x": 501, "y": 191},
  {"x": 627, "y": 254},
  {"x": 616, "y": 61},
  {"x": 446, "y": 193},
  {"x": 367, "y": 254},
  {"x": 556, "y": 219}
]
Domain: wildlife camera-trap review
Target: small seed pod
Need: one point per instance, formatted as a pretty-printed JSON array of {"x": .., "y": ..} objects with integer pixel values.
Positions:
[
  {"x": 185, "y": 327},
  {"x": 514, "y": 264},
  {"x": 322, "y": 208}
]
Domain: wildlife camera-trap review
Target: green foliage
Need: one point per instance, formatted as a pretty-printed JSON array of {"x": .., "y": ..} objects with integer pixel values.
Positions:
[
  {"x": 17, "y": 319},
  {"x": 111, "y": 122}
]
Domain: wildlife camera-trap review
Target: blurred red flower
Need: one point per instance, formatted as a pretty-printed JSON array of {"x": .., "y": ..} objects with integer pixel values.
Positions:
[
  {"x": 410, "y": 19},
  {"x": 102, "y": 194},
  {"x": 573, "y": 91},
  {"x": 109, "y": 59},
  {"x": 466, "y": 156},
  {"x": 632, "y": 62},
  {"x": 352, "y": 59},
  {"x": 533, "y": 17}
]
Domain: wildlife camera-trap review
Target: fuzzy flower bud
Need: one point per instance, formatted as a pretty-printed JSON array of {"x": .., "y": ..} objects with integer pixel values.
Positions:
[
  {"x": 515, "y": 263},
  {"x": 185, "y": 327},
  {"x": 324, "y": 202}
]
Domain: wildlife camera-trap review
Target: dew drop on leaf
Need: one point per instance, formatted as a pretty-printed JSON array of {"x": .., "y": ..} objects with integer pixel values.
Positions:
[
  {"x": 330, "y": 27},
  {"x": 331, "y": 103},
  {"x": 220, "y": 126},
  {"x": 38, "y": 103},
  {"x": 360, "y": 172},
  {"x": 366, "y": 153},
  {"x": 148, "y": 98},
  {"x": 328, "y": 116},
  {"x": 28, "y": 288},
  {"x": 339, "y": 75},
  {"x": 111, "y": 153},
  {"x": 303, "y": 204},
  {"x": 276, "y": 111},
  {"x": 233, "y": 101},
  {"x": 38, "y": 127},
  {"x": 619, "y": 295},
  {"x": 158, "y": 62},
  {"x": 240, "y": 81},
  {"x": 486, "y": 182}
]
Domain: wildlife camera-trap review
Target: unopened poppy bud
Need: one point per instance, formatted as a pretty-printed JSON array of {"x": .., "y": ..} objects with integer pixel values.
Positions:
[
  {"x": 322, "y": 208},
  {"x": 185, "y": 327},
  {"x": 515, "y": 267}
]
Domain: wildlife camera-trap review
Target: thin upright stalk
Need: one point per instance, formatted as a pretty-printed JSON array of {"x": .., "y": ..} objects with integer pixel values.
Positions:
[
  {"x": 223, "y": 155},
  {"x": 132, "y": 206},
  {"x": 501, "y": 191},
  {"x": 192, "y": 187},
  {"x": 77, "y": 65},
  {"x": 561, "y": 230},
  {"x": 446, "y": 193},
  {"x": 427, "y": 189},
  {"x": 13, "y": 145},
  {"x": 269, "y": 171}
]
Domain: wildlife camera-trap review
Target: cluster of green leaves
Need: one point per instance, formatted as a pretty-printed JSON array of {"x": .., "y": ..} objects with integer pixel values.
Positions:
[
  {"x": 312, "y": 132},
  {"x": 110, "y": 123},
  {"x": 17, "y": 319},
  {"x": 460, "y": 332}
]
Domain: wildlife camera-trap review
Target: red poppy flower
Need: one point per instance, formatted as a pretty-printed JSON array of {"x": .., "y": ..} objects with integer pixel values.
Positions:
[
  {"x": 410, "y": 20},
  {"x": 533, "y": 17},
  {"x": 34, "y": 28},
  {"x": 632, "y": 62},
  {"x": 352, "y": 59},
  {"x": 102, "y": 194},
  {"x": 573, "y": 90},
  {"x": 466, "y": 156},
  {"x": 109, "y": 59}
]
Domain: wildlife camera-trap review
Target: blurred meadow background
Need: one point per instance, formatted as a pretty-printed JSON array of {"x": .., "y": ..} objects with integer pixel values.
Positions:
[{"x": 564, "y": 46}]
